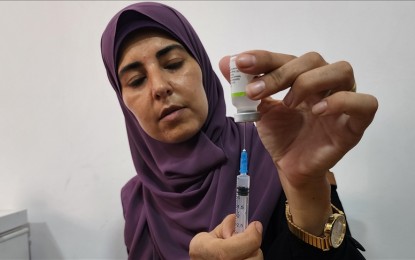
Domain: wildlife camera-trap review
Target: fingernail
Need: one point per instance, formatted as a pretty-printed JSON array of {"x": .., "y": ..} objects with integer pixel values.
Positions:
[
  {"x": 258, "y": 227},
  {"x": 319, "y": 108},
  {"x": 255, "y": 88},
  {"x": 288, "y": 99},
  {"x": 246, "y": 60}
]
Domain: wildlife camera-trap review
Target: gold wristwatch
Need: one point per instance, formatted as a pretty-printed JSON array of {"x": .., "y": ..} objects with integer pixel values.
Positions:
[{"x": 334, "y": 230}]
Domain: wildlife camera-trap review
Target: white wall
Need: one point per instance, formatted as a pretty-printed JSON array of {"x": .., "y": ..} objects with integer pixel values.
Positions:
[{"x": 63, "y": 149}]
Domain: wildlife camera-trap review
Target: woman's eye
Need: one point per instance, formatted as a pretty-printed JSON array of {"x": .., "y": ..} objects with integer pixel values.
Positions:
[
  {"x": 136, "y": 82},
  {"x": 174, "y": 65}
]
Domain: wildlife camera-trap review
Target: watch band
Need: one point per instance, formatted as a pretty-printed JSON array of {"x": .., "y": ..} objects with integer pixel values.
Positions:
[{"x": 322, "y": 242}]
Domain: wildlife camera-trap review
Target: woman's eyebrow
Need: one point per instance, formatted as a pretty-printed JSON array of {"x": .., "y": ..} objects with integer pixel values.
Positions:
[
  {"x": 136, "y": 64},
  {"x": 167, "y": 49},
  {"x": 131, "y": 66}
]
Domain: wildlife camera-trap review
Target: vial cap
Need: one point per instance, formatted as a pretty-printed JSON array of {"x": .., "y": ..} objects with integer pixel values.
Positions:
[{"x": 251, "y": 116}]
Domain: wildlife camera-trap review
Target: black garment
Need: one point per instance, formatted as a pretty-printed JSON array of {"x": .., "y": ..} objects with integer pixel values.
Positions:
[{"x": 280, "y": 244}]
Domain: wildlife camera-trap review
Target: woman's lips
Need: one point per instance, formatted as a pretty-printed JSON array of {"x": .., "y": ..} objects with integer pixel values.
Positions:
[{"x": 170, "y": 112}]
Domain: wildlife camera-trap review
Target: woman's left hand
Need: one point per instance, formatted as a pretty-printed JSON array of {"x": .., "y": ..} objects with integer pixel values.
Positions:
[
  {"x": 311, "y": 129},
  {"x": 318, "y": 121}
]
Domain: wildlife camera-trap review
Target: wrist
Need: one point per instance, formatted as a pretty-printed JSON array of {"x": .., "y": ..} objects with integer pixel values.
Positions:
[
  {"x": 333, "y": 235},
  {"x": 310, "y": 204}
]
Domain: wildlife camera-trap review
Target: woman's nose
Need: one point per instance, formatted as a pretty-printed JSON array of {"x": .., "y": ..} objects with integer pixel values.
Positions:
[{"x": 160, "y": 86}]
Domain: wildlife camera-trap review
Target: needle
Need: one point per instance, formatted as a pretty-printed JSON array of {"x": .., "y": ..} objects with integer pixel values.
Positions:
[{"x": 244, "y": 135}]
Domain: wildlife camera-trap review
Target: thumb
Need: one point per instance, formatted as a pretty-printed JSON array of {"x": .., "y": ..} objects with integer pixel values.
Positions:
[
  {"x": 247, "y": 242},
  {"x": 255, "y": 229},
  {"x": 224, "y": 67},
  {"x": 258, "y": 227}
]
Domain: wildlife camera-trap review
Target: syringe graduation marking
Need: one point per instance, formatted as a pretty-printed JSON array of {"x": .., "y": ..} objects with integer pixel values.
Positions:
[{"x": 242, "y": 194}]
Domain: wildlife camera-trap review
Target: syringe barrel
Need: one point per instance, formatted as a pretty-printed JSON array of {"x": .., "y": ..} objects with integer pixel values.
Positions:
[
  {"x": 242, "y": 202},
  {"x": 242, "y": 181}
]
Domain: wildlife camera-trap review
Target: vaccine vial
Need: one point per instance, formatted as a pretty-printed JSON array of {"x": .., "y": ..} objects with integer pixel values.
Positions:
[{"x": 246, "y": 108}]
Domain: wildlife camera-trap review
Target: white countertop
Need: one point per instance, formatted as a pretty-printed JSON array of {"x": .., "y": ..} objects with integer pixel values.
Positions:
[{"x": 11, "y": 219}]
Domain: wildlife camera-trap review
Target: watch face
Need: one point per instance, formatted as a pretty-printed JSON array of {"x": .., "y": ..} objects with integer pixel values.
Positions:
[{"x": 338, "y": 231}]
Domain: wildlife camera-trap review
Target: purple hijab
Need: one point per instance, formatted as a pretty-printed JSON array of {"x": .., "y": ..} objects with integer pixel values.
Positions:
[{"x": 182, "y": 189}]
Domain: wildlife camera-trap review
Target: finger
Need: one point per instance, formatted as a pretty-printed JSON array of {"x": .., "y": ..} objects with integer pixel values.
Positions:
[
  {"x": 327, "y": 80},
  {"x": 199, "y": 247},
  {"x": 241, "y": 245},
  {"x": 284, "y": 76},
  {"x": 343, "y": 72},
  {"x": 226, "y": 228},
  {"x": 248, "y": 241},
  {"x": 255, "y": 62},
  {"x": 360, "y": 107}
]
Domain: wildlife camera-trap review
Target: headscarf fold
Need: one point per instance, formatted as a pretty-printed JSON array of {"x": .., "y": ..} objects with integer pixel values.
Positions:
[{"x": 185, "y": 188}]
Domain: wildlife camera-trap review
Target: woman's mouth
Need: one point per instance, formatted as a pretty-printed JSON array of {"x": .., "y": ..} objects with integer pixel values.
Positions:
[{"x": 170, "y": 113}]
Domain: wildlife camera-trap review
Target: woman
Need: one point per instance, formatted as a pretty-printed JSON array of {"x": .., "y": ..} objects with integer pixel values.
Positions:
[{"x": 186, "y": 151}]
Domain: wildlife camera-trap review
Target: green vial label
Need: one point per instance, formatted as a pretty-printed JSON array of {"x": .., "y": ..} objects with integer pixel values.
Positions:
[{"x": 238, "y": 94}]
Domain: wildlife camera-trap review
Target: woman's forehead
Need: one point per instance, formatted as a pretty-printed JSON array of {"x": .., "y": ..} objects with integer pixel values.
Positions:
[{"x": 143, "y": 34}]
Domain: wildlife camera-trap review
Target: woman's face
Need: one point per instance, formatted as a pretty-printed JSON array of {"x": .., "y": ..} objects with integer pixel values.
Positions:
[{"x": 162, "y": 86}]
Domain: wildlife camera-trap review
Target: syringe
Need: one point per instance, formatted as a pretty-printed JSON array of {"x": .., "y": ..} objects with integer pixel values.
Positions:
[{"x": 242, "y": 194}]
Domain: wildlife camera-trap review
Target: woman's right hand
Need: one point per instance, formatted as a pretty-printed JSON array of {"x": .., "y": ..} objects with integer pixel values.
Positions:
[{"x": 222, "y": 243}]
